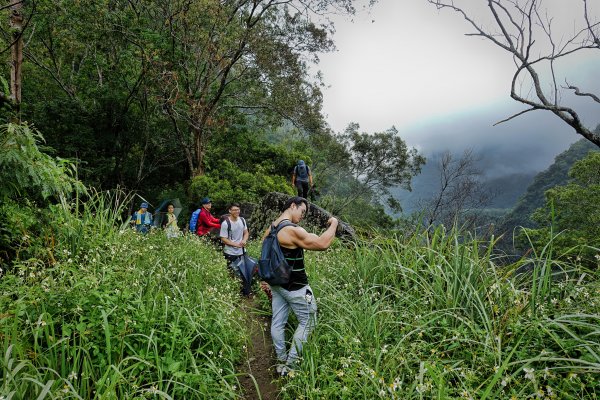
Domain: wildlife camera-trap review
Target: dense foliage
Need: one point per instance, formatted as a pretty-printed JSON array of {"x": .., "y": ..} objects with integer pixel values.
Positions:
[
  {"x": 31, "y": 181},
  {"x": 140, "y": 91},
  {"x": 555, "y": 175},
  {"x": 125, "y": 317},
  {"x": 571, "y": 214},
  {"x": 129, "y": 316}
]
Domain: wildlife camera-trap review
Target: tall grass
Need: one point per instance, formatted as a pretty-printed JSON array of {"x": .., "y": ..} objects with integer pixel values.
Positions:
[
  {"x": 121, "y": 316},
  {"x": 432, "y": 316}
]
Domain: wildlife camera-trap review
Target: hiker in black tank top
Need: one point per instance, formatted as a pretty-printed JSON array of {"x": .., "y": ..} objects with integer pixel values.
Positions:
[
  {"x": 295, "y": 258},
  {"x": 297, "y": 294}
]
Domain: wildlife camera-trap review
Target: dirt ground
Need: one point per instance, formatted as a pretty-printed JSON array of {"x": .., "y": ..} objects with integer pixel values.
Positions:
[{"x": 259, "y": 368}]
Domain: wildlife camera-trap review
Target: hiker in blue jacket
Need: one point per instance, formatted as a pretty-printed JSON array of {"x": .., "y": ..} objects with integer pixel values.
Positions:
[
  {"x": 142, "y": 219},
  {"x": 302, "y": 178},
  {"x": 296, "y": 294}
]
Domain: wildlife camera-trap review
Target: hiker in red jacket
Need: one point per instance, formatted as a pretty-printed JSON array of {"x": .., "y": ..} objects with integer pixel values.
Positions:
[{"x": 206, "y": 221}]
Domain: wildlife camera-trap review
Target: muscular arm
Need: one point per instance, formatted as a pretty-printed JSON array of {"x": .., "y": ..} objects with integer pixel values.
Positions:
[{"x": 293, "y": 237}]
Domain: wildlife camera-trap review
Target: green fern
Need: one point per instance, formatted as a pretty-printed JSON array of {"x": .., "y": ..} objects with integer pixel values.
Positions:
[{"x": 25, "y": 169}]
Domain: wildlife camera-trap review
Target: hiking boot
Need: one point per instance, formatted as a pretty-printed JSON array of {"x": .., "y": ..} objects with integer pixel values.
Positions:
[{"x": 285, "y": 370}]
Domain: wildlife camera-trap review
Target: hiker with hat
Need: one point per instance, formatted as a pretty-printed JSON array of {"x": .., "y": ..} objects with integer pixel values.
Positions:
[
  {"x": 206, "y": 221},
  {"x": 302, "y": 178},
  {"x": 142, "y": 219}
]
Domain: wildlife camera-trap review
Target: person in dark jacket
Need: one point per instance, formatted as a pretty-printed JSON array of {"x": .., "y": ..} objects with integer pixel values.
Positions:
[{"x": 302, "y": 178}]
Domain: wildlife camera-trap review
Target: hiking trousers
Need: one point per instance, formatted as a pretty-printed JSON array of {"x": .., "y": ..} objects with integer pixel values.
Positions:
[
  {"x": 304, "y": 306},
  {"x": 302, "y": 188}
]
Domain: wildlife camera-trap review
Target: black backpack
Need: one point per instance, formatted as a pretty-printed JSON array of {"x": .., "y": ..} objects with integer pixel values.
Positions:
[{"x": 272, "y": 265}]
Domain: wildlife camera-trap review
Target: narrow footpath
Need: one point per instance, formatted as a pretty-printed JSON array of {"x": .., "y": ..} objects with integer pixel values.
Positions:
[{"x": 258, "y": 369}]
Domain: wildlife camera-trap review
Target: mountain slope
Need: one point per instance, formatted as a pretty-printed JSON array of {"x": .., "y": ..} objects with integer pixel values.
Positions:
[{"x": 556, "y": 174}]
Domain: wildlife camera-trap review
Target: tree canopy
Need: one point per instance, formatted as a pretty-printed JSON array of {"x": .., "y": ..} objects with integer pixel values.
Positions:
[{"x": 570, "y": 216}]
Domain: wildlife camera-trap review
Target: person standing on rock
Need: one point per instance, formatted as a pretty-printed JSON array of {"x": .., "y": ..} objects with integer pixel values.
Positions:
[
  {"x": 296, "y": 294},
  {"x": 302, "y": 178}
]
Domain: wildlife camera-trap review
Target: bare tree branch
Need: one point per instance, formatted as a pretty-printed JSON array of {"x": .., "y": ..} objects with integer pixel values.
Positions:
[
  {"x": 580, "y": 93},
  {"x": 522, "y": 27}
]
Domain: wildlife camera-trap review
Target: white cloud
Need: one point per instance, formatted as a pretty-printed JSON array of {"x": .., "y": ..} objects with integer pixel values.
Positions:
[{"x": 408, "y": 65}]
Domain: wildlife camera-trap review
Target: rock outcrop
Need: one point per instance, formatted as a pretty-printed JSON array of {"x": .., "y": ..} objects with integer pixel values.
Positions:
[{"x": 315, "y": 220}]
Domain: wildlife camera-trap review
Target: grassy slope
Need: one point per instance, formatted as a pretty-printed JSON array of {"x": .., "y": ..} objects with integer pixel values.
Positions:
[
  {"x": 411, "y": 318},
  {"x": 134, "y": 316}
]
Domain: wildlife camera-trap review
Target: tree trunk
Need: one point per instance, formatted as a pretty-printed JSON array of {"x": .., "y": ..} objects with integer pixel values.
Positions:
[
  {"x": 199, "y": 142},
  {"x": 16, "y": 23}
]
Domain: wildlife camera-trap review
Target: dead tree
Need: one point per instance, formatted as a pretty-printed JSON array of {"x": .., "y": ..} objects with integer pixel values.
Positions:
[
  {"x": 538, "y": 42},
  {"x": 459, "y": 193}
]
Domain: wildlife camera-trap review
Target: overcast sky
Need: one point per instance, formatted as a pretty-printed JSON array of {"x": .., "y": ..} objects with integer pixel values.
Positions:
[{"x": 408, "y": 65}]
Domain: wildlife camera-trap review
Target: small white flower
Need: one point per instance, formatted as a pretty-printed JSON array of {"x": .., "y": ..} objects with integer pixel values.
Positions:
[{"x": 529, "y": 373}]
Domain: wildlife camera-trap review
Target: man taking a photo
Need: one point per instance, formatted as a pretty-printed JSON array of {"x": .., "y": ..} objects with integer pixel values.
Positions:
[{"x": 296, "y": 294}]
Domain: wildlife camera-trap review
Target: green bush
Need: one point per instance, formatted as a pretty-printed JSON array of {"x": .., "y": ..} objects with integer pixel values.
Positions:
[
  {"x": 24, "y": 233},
  {"x": 26, "y": 170},
  {"x": 230, "y": 184},
  {"x": 31, "y": 181},
  {"x": 129, "y": 316},
  {"x": 570, "y": 218}
]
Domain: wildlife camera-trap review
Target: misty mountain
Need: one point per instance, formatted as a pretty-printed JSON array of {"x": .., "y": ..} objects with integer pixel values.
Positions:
[
  {"x": 518, "y": 193},
  {"x": 505, "y": 188},
  {"x": 555, "y": 175}
]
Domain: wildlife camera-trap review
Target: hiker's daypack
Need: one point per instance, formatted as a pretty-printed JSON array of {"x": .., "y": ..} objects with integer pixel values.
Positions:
[
  {"x": 194, "y": 220},
  {"x": 302, "y": 172},
  {"x": 272, "y": 265}
]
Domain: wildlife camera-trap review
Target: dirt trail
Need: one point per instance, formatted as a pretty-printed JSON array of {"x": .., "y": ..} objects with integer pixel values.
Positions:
[{"x": 259, "y": 363}]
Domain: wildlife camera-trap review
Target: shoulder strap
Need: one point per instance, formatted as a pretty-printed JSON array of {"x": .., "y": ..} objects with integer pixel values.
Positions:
[
  {"x": 282, "y": 224},
  {"x": 228, "y": 228}
]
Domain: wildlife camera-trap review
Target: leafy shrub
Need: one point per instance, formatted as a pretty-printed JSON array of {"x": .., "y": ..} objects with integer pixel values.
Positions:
[
  {"x": 30, "y": 180},
  {"x": 570, "y": 218},
  {"x": 25, "y": 169},
  {"x": 129, "y": 316},
  {"x": 230, "y": 184},
  {"x": 24, "y": 233}
]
